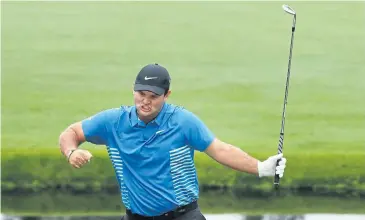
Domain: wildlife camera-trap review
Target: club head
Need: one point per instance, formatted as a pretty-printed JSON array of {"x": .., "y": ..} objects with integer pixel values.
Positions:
[{"x": 288, "y": 9}]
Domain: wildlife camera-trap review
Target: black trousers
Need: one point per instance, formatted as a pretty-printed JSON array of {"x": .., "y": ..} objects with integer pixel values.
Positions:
[{"x": 194, "y": 214}]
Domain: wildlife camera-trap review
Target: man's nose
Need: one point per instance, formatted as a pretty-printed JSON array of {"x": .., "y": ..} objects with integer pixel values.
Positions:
[{"x": 145, "y": 101}]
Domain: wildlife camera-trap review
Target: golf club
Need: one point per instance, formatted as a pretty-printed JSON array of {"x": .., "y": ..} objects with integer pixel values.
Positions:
[{"x": 288, "y": 10}]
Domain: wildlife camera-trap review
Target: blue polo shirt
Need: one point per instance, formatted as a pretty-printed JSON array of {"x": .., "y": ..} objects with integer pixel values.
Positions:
[{"x": 154, "y": 162}]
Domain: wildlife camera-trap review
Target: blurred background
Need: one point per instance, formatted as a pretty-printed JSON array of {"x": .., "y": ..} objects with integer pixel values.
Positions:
[{"x": 64, "y": 61}]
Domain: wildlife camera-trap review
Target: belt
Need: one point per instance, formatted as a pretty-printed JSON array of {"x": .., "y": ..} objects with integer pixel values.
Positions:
[{"x": 167, "y": 215}]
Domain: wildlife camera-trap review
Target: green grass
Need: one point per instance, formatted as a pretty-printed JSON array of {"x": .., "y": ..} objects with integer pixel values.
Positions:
[{"x": 64, "y": 61}]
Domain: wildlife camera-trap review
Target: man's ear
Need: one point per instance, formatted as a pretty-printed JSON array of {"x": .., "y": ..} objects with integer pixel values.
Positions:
[{"x": 167, "y": 95}]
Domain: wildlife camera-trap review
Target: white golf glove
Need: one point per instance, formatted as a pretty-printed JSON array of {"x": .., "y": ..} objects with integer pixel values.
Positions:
[{"x": 268, "y": 167}]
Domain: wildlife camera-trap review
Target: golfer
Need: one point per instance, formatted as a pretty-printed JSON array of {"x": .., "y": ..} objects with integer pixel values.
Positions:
[{"x": 151, "y": 146}]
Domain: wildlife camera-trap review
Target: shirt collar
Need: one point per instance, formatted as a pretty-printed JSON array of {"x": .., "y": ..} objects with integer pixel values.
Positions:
[
  {"x": 133, "y": 116},
  {"x": 160, "y": 115}
]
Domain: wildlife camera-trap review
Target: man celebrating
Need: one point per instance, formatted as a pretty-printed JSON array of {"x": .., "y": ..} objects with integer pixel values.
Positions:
[{"x": 151, "y": 146}]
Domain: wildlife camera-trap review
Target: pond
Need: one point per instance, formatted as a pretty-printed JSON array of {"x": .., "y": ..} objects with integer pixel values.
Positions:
[
  {"x": 222, "y": 205},
  {"x": 208, "y": 217}
]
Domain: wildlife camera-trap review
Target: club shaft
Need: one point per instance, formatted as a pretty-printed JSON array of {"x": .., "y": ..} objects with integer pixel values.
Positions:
[{"x": 281, "y": 137}]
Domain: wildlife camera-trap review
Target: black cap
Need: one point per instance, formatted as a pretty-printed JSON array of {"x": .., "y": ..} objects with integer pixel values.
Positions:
[{"x": 154, "y": 78}]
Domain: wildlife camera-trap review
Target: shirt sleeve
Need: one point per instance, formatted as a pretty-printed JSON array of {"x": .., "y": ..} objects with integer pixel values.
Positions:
[
  {"x": 96, "y": 128},
  {"x": 196, "y": 132}
]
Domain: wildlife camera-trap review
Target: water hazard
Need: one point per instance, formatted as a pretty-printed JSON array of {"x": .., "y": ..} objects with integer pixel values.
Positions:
[
  {"x": 208, "y": 217},
  {"x": 45, "y": 206}
]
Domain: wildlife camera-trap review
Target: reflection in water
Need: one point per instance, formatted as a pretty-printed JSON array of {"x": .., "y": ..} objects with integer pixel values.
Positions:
[
  {"x": 254, "y": 217},
  {"x": 208, "y": 217}
]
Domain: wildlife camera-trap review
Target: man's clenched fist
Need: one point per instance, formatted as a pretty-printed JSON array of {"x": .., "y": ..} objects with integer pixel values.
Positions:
[{"x": 79, "y": 157}]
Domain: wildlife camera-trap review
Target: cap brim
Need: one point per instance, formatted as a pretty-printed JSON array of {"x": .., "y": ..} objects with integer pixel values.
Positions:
[{"x": 154, "y": 89}]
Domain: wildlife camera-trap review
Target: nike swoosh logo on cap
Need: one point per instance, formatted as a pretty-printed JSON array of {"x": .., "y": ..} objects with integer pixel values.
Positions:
[{"x": 148, "y": 78}]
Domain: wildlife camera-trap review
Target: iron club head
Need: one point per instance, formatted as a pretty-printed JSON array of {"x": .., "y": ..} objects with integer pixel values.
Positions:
[{"x": 288, "y": 9}]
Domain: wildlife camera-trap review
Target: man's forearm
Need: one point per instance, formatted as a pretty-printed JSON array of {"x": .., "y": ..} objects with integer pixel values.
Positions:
[
  {"x": 237, "y": 159},
  {"x": 68, "y": 141}
]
